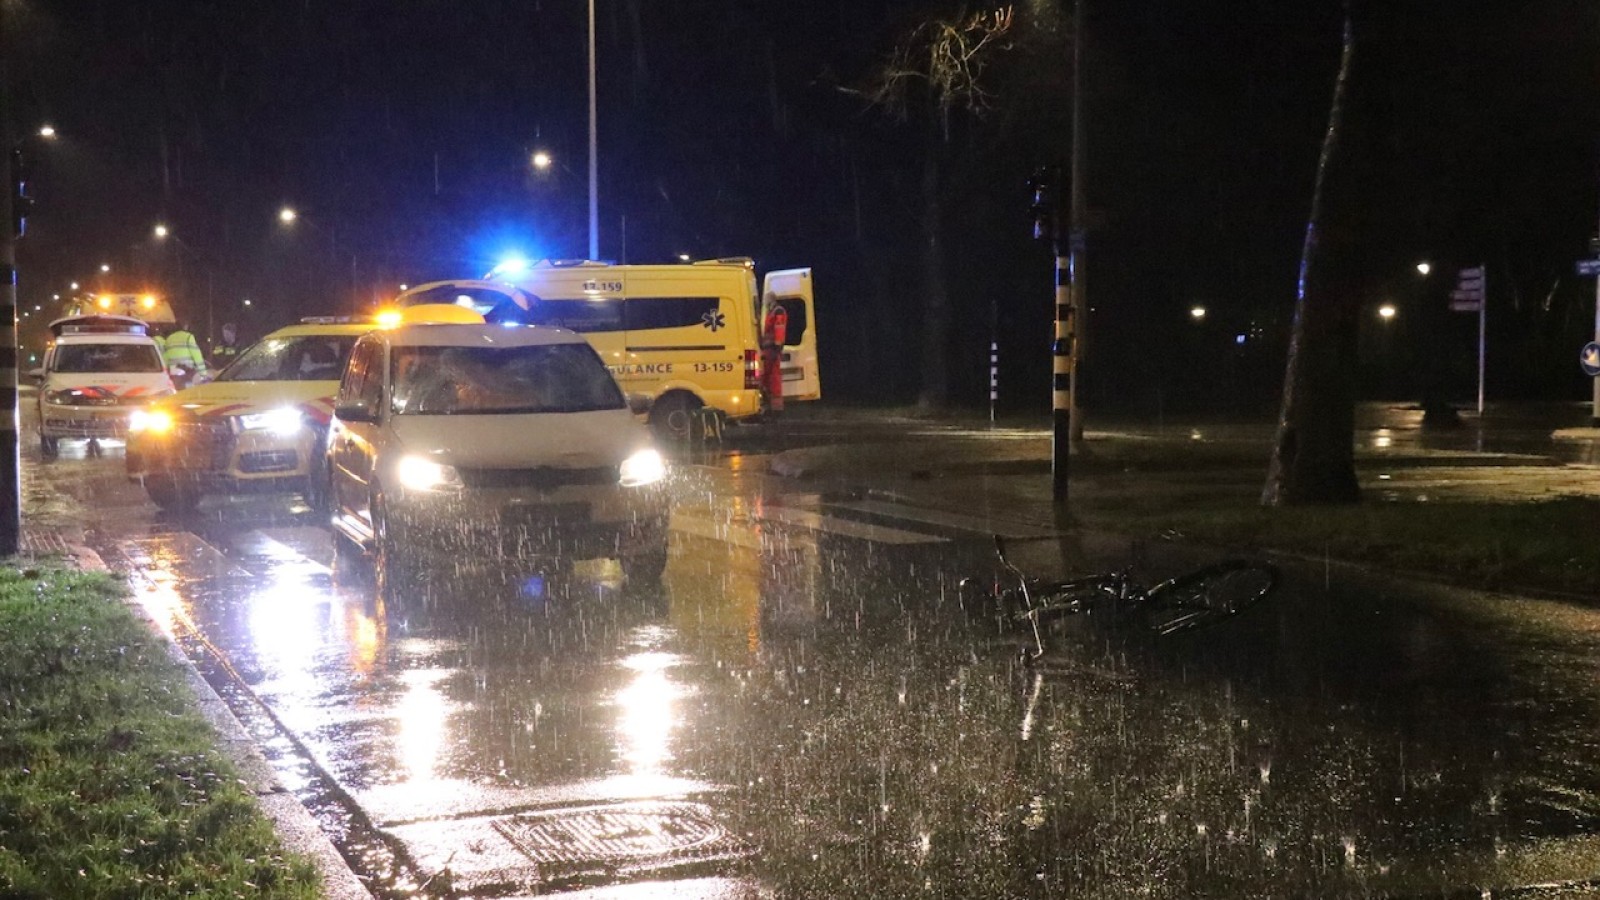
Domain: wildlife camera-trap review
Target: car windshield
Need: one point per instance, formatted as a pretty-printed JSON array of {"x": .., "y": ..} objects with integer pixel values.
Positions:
[
  {"x": 107, "y": 358},
  {"x": 546, "y": 378},
  {"x": 318, "y": 357}
]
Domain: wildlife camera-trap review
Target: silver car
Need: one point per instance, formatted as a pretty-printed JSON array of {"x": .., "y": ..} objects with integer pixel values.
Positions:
[{"x": 491, "y": 441}]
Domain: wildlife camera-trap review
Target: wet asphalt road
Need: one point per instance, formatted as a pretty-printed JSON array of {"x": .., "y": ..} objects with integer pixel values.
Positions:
[{"x": 801, "y": 709}]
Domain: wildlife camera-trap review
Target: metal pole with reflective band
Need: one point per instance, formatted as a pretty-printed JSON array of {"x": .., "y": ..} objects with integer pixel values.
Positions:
[
  {"x": 11, "y": 464},
  {"x": 994, "y": 377},
  {"x": 1061, "y": 378}
]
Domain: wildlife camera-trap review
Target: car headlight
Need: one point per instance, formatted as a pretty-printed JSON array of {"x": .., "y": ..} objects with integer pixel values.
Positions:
[
  {"x": 284, "y": 421},
  {"x": 80, "y": 397},
  {"x": 642, "y": 468},
  {"x": 421, "y": 474},
  {"x": 150, "y": 421}
]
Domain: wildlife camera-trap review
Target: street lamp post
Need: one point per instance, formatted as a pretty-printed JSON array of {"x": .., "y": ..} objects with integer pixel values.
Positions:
[{"x": 594, "y": 149}]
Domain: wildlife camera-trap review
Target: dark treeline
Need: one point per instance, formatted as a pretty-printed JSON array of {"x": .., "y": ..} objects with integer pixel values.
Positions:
[{"x": 401, "y": 133}]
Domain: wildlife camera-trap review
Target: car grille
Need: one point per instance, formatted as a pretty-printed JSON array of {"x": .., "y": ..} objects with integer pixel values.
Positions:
[
  {"x": 268, "y": 461},
  {"x": 544, "y": 478},
  {"x": 206, "y": 442}
]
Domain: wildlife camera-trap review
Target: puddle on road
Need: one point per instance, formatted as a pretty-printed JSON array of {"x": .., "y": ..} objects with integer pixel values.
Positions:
[{"x": 820, "y": 716}]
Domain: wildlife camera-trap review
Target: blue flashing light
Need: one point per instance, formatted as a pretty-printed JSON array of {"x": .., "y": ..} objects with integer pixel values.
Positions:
[
  {"x": 1238, "y": 339},
  {"x": 511, "y": 265}
]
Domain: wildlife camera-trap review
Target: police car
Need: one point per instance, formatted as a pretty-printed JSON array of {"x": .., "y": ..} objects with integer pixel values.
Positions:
[
  {"x": 259, "y": 425},
  {"x": 96, "y": 369}
]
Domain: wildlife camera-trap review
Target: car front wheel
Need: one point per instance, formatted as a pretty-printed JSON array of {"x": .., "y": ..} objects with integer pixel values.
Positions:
[
  {"x": 170, "y": 495},
  {"x": 390, "y": 555},
  {"x": 645, "y": 566}
]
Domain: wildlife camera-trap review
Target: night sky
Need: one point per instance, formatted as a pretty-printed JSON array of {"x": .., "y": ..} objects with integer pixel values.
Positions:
[{"x": 401, "y": 132}]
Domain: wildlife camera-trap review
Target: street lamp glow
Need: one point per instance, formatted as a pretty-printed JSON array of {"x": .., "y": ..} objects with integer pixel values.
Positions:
[
  {"x": 105, "y": 267},
  {"x": 1197, "y": 313},
  {"x": 48, "y": 132},
  {"x": 1424, "y": 267},
  {"x": 541, "y": 160},
  {"x": 74, "y": 285},
  {"x": 162, "y": 231},
  {"x": 247, "y": 303},
  {"x": 287, "y": 215},
  {"x": 1386, "y": 311}
]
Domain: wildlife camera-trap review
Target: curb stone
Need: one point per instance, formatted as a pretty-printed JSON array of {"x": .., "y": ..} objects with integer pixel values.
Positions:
[{"x": 296, "y": 827}]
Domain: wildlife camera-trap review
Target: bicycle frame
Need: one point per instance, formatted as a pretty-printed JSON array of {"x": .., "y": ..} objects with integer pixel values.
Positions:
[{"x": 1201, "y": 597}]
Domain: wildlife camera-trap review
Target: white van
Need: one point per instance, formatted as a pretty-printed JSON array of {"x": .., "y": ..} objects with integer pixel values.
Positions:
[
  {"x": 97, "y": 370},
  {"x": 454, "y": 442},
  {"x": 687, "y": 336}
]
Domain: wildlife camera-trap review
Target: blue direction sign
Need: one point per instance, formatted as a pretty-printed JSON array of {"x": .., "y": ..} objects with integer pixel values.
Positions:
[
  {"x": 1590, "y": 359},
  {"x": 1589, "y": 267}
]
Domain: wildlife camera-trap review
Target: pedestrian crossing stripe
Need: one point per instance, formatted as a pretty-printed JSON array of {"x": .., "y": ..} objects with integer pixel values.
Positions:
[
  {"x": 986, "y": 525},
  {"x": 876, "y": 521},
  {"x": 815, "y": 521}
]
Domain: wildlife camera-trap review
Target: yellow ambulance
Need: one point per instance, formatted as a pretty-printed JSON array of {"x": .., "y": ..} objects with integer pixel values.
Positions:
[
  {"x": 688, "y": 336},
  {"x": 149, "y": 308}
]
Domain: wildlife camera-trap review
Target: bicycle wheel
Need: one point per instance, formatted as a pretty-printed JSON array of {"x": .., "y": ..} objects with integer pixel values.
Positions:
[{"x": 1207, "y": 596}]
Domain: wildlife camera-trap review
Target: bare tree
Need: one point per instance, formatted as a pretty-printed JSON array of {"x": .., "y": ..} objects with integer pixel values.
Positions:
[
  {"x": 1313, "y": 457},
  {"x": 936, "y": 71}
]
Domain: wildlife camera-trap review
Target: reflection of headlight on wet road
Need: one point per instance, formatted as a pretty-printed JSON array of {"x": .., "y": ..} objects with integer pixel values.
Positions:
[
  {"x": 419, "y": 474},
  {"x": 285, "y": 421},
  {"x": 150, "y": 421},
  {"x": 642, "y": 468}
]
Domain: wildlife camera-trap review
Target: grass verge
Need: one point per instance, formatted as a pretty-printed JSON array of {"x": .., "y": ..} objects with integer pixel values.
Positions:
[
  {"x": 110, "y": 783},
  {"x": 1544, "y": 545}
]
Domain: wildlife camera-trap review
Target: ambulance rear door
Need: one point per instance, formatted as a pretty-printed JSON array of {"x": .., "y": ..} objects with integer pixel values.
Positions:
[{"x": 791, "y": 289}]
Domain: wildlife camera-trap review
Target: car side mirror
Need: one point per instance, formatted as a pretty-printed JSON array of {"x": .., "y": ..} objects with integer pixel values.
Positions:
[
  {"x": 640, "y": 403},
  {"x": 37, "y": 374},
  {"x": 355, "y": 412}
]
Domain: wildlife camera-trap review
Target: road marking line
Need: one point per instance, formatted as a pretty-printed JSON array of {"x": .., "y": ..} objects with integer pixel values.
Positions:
[
  {"x": 830, "y": 524},
  {"x": 739, "y": 534},
  {"x": 928, "y": 516},
  {"x": 181, "y": 549}
]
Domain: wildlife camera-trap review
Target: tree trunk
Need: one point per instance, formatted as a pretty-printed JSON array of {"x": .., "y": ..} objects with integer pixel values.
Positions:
[
  {"x": 936, "y": 296},
  {"x": 1313, "y": 457}
]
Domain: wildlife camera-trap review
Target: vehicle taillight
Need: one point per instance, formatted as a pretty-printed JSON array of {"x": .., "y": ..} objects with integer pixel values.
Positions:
[{"x": 752, "y": 370}]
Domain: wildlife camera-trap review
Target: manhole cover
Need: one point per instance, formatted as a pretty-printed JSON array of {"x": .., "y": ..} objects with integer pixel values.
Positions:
[{"x": 631, "y": 835}]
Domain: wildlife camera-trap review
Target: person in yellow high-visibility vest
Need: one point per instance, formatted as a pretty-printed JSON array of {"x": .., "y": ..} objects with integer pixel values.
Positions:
[{"x": 182, "y": 351}]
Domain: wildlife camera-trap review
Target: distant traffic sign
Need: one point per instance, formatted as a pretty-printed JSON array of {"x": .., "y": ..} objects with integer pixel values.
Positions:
[
  {"x": 1589, "y": 267},
  {"x": 1590, "y": 359},
  {"x": 1468, "y": 295}
]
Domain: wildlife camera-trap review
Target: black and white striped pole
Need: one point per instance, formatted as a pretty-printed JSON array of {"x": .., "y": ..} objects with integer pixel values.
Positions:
[
  {"x": 1046, "y": 224},
  {"x": 16, "y": 208},
  {"x": 994, "y": 377},
  {"x": 1063, "y": 349}
]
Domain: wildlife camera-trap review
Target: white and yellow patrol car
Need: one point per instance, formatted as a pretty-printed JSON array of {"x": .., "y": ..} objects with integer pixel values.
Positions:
[
  {"x": 96, "y": 369},
  {"x": 260, "y": 425}
]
